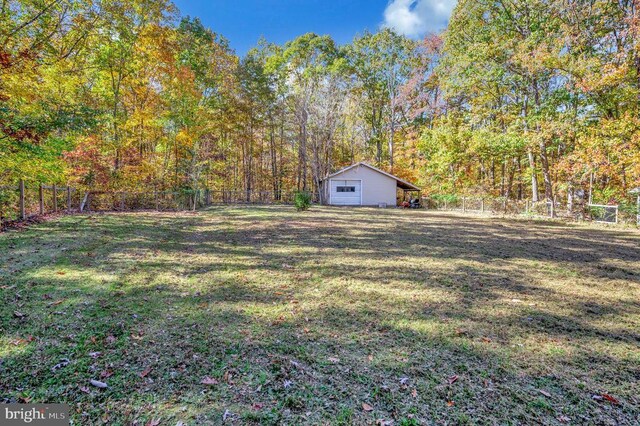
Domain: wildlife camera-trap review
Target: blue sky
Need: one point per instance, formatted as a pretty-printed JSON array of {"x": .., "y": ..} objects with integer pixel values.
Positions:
[{"x": 244, "y": 21}]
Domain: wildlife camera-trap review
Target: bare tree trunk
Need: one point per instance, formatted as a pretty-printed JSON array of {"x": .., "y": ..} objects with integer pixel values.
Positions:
[
  {"x": 391, "y": 136},
  {"x": 534, "y": 176},
  {"x": 546, "y": 175}
]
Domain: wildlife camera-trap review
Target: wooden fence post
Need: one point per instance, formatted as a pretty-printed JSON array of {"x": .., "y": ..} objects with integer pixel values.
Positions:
[
  {"x": 55, "y": 198},
  {"x": 41, "y": 199},
  {"x": 122, "y": 200},
  {"x": 23, "y": 213},
  {"x": 68, "y": 199}
]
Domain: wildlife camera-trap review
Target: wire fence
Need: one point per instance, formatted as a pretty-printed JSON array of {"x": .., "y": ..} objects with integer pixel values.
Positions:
[
  {"x": 23, "y": 201},
  {"x": 580, "y": 211},
  {"x": 28, "y": 200}
]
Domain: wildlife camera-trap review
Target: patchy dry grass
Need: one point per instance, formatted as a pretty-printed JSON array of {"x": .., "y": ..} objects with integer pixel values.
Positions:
[{"x": 425, "y": 318}]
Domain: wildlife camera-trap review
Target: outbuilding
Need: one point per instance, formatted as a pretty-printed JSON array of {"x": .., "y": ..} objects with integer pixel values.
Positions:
[{"x": 361, "y": 184}]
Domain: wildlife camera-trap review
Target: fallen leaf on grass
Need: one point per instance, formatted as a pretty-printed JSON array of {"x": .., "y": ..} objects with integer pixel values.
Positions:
[
  {"x": 61, "y": 273},
  {"x": 110, "y": 339},
  {"x": 106, "y": 374},
  {"x": 414, "y": 393},
  {"x": 450, "y": 403},
  {"x": 279, "y": 321},
  {"x": 486, "y": 340},
  {"x": 84, "y": 389},
  {"x": 95, "y": 355},
  {"x": 63, "y": 363},
  {"x": 564, "y": 419},
  {"x": 19, "y": 342},
  {"x": 56, "y": 303},
  {"x": 453, "y": 379},
  {"x": 19, "y": 314},
  {"x": 611, "y": 399},
  {"x": 545, "y": 393},
  {"x": 146, "y": 372},
  {"x": 98, "y": 384},
  {"x": 209, "y": 381},
  {"x": 366, "y": 407},
  {"x": 153, "y": 422},
  {"x": 333, "y": 360}
]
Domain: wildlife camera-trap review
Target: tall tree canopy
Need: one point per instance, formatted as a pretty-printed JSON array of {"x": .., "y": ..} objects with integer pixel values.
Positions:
[{"x": 520, "y": 98}]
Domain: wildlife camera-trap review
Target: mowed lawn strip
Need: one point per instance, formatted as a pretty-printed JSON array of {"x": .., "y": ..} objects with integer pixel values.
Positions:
[{"x": 332, "y": 316}]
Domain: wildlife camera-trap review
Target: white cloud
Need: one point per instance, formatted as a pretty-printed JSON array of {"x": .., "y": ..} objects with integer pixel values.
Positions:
[{"x": 415, "y": 18}]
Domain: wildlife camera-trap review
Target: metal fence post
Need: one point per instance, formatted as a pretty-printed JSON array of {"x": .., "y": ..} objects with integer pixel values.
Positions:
[
  {"x": 23, "y": 213},
  {"x": 41, "y": 199},
  {"x": 55, "y": 198}
]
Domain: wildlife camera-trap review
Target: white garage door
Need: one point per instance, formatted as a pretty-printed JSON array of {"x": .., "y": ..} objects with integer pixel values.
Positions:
[{"x": 346, "y": 192}]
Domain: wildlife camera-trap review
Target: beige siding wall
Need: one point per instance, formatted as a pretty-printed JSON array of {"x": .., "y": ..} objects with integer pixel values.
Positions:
[{"x": 376, "y": 188}]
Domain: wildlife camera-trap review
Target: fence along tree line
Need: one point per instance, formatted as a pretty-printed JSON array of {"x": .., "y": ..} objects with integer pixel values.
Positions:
[
  {"x": 570, "y": 211},
  {"x": 24, "y": 201}
]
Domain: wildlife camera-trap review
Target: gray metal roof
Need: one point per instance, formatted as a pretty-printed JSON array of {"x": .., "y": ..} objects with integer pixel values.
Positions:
[{"x": 403, "y": 184}]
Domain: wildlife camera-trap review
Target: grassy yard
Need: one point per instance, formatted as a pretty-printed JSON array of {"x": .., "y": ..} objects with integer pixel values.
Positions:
[{"x": 333, "y": 316}]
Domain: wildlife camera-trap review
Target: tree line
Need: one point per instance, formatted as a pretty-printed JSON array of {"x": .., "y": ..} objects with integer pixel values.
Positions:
[{"x": 517, "y": 98}]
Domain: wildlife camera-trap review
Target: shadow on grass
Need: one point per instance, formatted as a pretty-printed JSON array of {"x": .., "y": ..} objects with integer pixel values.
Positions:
[{"x": 302, "y": 318}]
